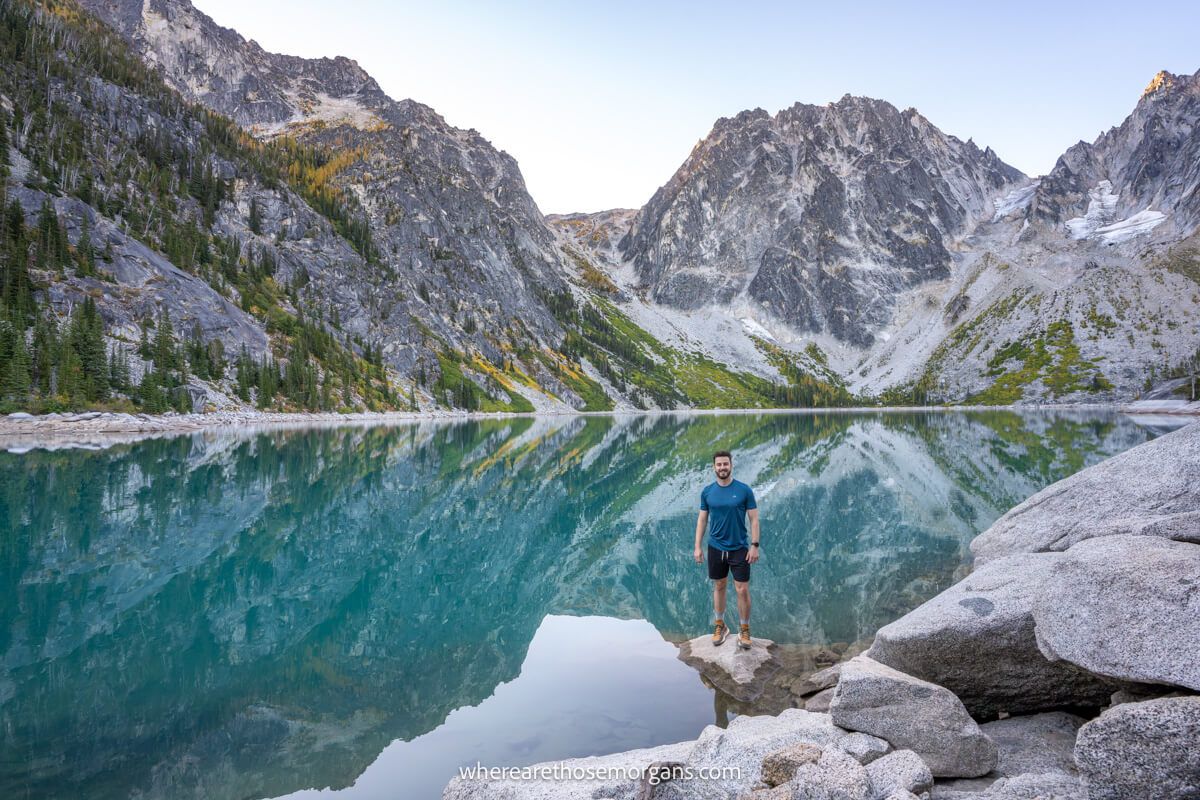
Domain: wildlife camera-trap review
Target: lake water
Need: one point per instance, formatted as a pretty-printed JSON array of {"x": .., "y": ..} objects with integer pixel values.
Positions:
[{"x": 359, "y": 611}]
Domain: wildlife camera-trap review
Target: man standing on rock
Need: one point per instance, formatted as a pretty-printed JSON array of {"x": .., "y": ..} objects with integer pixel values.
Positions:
[{"x": 725, "y": 505}]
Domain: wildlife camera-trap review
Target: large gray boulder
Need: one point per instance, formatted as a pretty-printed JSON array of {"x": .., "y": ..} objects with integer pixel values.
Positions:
[
  {"x": 1038, "y": 744},
  {"x": 912, "y": 714},
  {"x": 835, "y": 776},
  {"x": 1142, "y": 751},
  {"x": 1127, "y": 607},
  {"x": 742, "y": 674},
  {"x": 1150, "y": 490},
  {"x": 977, "y": 640},
  {"x": 902, "y": 770}
]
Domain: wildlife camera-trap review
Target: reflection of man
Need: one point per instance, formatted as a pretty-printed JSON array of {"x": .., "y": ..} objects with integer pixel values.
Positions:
[{"x": 724, "y": 506}]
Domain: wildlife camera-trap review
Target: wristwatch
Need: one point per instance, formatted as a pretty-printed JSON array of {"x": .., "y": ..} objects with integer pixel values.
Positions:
[{"x": 754, "y": 544}]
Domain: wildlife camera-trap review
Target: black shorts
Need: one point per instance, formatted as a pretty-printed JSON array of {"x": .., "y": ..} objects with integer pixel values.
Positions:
[{"x": 723, "y": 562}]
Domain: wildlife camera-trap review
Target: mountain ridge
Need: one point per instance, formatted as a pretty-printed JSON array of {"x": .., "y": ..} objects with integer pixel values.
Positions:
[{"x": 792, "y": 258}]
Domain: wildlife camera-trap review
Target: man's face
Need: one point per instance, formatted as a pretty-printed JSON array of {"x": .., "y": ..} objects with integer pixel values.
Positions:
[{"x": 723, "y": 467}]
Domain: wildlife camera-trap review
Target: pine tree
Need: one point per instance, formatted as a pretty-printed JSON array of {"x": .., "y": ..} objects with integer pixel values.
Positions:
[
  {"x": 114, "y": 379},
  {"x": 162, "y": 350},
  {"x": 16, "y": 287},
  {"x": 245, "y": 375},
  {"x": 150, "y": 393},
  {"x": 143, "y": 348},
  {"x": 197, "y": 353},
  {"x": 268, "y": 381},
  {"x": 52, "y": 239},
  {"x": 3, "y": 145},
  {"x": 255, "y": 217},
  {"x": 45, "y": 354},
  {"x": 86, "y": 338},
  {"x": 71, "y": 380},
  {"x": 19, "y": 379},
  {"x": 85, "y": 256},
  {"x": 215, "y": 352}
]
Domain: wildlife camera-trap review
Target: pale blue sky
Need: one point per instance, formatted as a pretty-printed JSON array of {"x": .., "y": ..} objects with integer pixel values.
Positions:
[{"x": 600, "y": 103}]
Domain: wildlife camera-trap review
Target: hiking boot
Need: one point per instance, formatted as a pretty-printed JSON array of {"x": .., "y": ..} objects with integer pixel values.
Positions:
[
  {"x": 720, "y": 632},
  {"x": 744, "y": 637}
]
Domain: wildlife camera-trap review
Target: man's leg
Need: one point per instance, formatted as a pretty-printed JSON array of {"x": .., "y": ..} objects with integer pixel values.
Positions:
[
  {"x": 741, "y": 584},
  {"x": 743, "y": 600},
  {"x": 720, "y": 589}
]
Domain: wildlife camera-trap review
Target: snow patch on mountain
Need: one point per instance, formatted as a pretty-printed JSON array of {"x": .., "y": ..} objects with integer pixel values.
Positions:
[
  {"x": 1101, "y": 208},
  {"x": 1015, "y": 200},
  {"x": 1126, "y": 229},
  {"x": 754, "y": 329}
]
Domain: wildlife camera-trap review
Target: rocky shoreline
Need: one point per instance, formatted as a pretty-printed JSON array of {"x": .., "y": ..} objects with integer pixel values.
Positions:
[
  {"x": 1063, "y": 667},
  {"x": 21, "y": 431}
]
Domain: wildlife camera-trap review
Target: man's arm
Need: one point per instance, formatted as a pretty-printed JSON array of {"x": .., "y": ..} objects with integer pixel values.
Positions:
[
  {"x": 701, "y": 524},
  {"x": 755, "y": 535}
]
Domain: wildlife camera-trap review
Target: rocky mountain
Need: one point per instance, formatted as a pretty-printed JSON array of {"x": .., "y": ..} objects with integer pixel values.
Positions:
[
  {"x": 818, "y": 215},
  {"x": 367, "y": 254},
  {"x": 378, "y": 256},
  {"x": 1134, "y": 177},
  {"x": 459, "y": 251},
  {"x": 921, "y": 268},
  {"x": 1083, "y": 284}
]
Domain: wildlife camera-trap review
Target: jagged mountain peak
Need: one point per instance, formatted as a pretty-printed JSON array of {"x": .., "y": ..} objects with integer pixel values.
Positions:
[
  {"x": 814, "y": 216},
  {"x": 1165, "y": 82}
]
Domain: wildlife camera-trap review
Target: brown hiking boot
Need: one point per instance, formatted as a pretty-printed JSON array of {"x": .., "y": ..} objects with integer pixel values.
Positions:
[
  {"x": 744, "y": 638},
  {"x": 720, "y": 631}
]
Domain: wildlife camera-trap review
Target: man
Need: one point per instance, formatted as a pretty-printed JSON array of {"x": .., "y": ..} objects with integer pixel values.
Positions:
[{"x": 725, "y": 505}]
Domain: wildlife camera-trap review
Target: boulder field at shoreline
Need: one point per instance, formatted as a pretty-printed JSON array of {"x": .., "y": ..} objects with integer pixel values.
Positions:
[{"x": 1066, "y": 666}]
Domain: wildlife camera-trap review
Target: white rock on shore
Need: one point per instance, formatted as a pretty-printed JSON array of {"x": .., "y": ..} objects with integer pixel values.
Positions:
[
  {"x": 739, "y": 750},
  {"x": 737, "y": 672}
]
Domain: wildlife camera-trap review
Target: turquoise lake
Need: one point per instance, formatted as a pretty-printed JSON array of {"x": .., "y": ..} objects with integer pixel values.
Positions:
[{"x": 358, "y": 611}]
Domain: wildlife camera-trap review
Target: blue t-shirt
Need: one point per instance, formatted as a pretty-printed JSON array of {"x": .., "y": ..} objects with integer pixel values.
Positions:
[{"x": 727, "y": 507}]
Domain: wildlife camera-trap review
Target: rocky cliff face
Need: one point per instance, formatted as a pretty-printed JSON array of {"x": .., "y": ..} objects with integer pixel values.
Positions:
[
  {"x": 460, "y": 251},
  {"x": 817, "y": 215}
]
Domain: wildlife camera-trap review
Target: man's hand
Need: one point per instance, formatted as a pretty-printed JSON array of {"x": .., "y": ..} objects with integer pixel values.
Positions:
[
  {"x": 752, "y": 555},
  {"x": 699, "y": 556}
]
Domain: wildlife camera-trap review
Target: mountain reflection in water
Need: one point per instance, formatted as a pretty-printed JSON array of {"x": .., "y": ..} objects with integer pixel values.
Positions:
[{"x": 249, "y": 615}]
